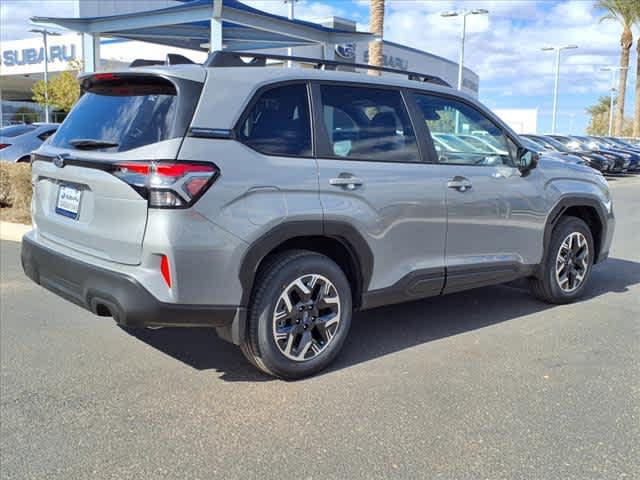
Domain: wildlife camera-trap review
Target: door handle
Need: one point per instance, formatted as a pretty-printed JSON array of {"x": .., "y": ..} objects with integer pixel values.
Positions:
[
  {"x": 347, "y": 181},
  {"x": 461, "y": 184}
]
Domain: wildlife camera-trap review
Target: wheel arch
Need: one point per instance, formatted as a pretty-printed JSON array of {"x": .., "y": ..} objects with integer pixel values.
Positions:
[
  {"x": 588, "y": 209},
  {"x": 337, "y": 240}
]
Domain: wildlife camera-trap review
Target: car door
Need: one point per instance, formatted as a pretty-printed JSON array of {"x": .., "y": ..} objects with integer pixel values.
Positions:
[
  {"x": 372, "y": 176},
  {"x": 495, "y": 214}
]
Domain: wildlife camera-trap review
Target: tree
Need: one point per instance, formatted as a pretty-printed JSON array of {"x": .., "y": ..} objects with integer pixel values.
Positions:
[
  {"x": 599, "y": 123},
  {"x": 64, "y": 90},
  {"x": 626, "y": 13},
  {"x": 376, "y": 14},
  {"x": 636, "y": 114}
]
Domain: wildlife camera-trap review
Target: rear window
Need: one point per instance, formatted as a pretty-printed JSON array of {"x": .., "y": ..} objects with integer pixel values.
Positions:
[
  {"x": 15, "y": 130},
  {"x": 128, "y": 112}
]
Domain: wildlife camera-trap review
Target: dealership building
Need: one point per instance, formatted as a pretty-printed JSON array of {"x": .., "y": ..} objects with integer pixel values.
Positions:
[{"x": 110, "y": 35}]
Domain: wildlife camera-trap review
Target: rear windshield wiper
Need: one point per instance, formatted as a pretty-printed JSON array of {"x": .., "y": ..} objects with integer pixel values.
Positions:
[{"x": 90, "y": 144}]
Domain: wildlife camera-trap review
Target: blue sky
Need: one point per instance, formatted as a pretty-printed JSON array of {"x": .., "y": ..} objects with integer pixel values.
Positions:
[{"x": 503, "y": 48}]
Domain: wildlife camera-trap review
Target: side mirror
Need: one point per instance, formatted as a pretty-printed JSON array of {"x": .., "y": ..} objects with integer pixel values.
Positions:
[{"x": 527, "y": 161}]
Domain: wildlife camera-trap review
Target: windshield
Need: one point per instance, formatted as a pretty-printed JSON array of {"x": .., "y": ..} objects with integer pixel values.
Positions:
[
  {"x": 531, "y": 145},
  {"x": 121, "y": 115},
  {"x": 553, "y": 143},
  {"x": 15, "y": 130}
]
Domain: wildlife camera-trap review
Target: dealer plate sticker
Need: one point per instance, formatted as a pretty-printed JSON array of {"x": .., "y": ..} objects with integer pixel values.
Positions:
[{"x": 68, "y": 203}]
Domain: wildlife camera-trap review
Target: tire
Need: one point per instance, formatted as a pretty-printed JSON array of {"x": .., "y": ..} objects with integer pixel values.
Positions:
[
  {"x": 283, "y": 340},
  {"x": 559, "y": 288},
  {"x": 25, "y": 159}
]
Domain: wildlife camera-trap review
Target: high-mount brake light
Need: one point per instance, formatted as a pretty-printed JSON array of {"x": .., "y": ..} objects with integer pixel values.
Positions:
[
  {"x": 105, "y": 76},
  {"x": 168, "y": 184}
]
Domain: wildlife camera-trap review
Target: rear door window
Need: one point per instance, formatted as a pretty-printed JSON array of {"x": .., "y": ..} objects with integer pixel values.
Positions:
[
  {"x": 278, "y": 123},
  {"x": 367, "y": 124},
  {"x": 128, "y": 113}
]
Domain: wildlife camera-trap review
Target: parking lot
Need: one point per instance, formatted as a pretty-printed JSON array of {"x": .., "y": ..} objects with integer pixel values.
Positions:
[{"x": 488, "y": 383}]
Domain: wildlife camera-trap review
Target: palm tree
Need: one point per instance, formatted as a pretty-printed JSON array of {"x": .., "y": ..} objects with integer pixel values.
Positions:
[
  {"x": 636, "y": 115},
  {"x": 376, "y": 17},
  {"x": 625, "y": 12}
]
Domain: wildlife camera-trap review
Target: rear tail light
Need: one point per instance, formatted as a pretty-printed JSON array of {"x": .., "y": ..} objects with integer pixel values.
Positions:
[
  {"x": 168, "y": 184},
  {"x": 4, "y": 145}
]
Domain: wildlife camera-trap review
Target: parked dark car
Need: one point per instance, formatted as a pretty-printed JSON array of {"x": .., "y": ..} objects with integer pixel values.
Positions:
[
  {"x": 598, "y": 162},
  {"x": 619, "y": 145},
  {"x": 550, "y": 153},
  {"x": 603, "y": 144},
  {"x": 623, "y": 143},
  {"x": 621, "y": 161}
]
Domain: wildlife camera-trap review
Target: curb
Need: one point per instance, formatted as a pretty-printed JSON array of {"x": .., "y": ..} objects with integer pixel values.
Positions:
[{"x": 13, "y": 232}]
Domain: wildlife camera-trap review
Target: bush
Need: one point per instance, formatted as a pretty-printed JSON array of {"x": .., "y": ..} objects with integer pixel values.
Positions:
[
  {"x": 5, "y": 185},
  {"x": 15, "y": 190}
]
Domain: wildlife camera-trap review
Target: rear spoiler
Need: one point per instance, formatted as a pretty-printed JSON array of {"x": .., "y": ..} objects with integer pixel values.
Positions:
[{"x": 172, "y": 59}]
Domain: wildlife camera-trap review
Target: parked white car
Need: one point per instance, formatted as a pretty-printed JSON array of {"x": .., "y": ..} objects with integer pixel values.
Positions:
[{"x": 18, "y": 141}]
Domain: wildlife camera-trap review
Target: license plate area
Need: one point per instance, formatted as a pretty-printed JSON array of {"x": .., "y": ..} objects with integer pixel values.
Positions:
[{"x": 68, "y": 201}]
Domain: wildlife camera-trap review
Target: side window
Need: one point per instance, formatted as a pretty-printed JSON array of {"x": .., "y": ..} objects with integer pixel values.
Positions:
[
  {"x": 461, "y": 134},
  {"x": 367, "y": 124},
  {"x": 278, "y": 123}
]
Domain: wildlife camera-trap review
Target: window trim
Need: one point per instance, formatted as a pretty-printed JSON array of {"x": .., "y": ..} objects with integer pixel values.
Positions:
[
  {"x": 490, "y": 116},
  {"x": 322, "y": 136},
  {"x": 254, "y": 100}
]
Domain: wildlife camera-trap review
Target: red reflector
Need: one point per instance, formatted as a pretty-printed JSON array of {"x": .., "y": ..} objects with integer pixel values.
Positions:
[
  {"x": 4, "y": 145},
  {"x": 164, "y": 269},
  {"x": 194, "y": 185},
  {"x": 104, "y": 76}
]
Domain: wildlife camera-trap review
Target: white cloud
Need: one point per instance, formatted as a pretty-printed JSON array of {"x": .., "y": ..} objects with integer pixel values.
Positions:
[
  {"x": 504, "y": 48},
  {"x": 14, "y": 15}
]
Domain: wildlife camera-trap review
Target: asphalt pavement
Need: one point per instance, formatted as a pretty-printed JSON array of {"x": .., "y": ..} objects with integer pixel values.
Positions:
[{"x": 485, "y": 384}]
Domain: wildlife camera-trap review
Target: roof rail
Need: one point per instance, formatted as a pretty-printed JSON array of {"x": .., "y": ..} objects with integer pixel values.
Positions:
[{"x": 235, "y": 59}]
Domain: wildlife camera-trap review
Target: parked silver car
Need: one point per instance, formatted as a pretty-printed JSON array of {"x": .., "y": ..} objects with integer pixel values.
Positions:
[
  {"x": 18, "y": 141},
  {"x": 271, "y": 203}
]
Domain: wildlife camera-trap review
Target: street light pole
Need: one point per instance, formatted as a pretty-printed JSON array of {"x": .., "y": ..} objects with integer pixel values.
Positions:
[
  {"x": 292, "y": 16},
  {"x": 557, "y": 81},
  {"x": 44, "y": 32},
  {"x": 464, "y": 14},
  {"x": 613, "y": 69}
]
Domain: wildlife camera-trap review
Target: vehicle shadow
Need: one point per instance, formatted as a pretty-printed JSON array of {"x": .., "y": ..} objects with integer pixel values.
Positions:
[{"x": 385, "y": 330}]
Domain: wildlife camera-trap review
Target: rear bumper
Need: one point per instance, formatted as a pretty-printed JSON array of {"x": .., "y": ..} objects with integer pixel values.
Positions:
[{"x": 108, "y": 293}]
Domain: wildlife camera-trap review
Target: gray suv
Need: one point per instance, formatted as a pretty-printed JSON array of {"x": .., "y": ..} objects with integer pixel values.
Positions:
[{"x": 271, "y": 203}]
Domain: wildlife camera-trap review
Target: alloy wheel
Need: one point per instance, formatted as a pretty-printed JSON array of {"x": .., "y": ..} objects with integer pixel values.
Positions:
[
  {"x": 306, "y": 317},
  {"x": 572, "y": 262}
]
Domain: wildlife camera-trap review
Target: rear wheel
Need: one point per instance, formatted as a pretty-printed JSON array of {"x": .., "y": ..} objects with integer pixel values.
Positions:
[
  {"x": 568, "y": 263},
  {"x": 299, "y": 316}
]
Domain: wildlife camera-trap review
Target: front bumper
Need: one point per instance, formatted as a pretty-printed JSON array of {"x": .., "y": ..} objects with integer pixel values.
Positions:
[{"x": 108, "y": 293}]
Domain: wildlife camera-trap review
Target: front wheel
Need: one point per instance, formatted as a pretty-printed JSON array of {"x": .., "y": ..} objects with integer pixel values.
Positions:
[
  {"x": 568, "y": 263},
  {"x": 299, "y": 315}
]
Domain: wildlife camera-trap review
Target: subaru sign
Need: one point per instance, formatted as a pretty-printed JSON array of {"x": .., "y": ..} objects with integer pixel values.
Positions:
[
  {"x": 23, "y": 57},
  {"x": 346, "y": 50}
]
